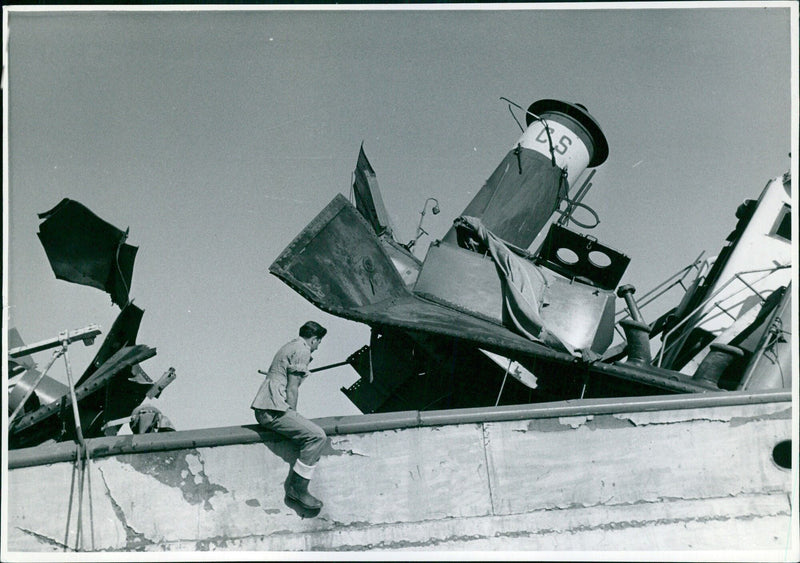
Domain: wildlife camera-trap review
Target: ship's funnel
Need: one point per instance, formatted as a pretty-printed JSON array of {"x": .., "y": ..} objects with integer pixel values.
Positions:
[
  {"x": 560, "y": 142},
  {"x": 565, "y": 121}
]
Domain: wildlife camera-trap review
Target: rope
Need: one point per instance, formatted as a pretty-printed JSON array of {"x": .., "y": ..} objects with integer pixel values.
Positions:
[
  {"x": 79, "y": 524},
  {"x": 561, "y": 181},
  {"x": 82, "y": 458},
  {"x": 89, "y": 484},
  {"x": 69, "y": 506},
  {"x": 537, "y": 118}
]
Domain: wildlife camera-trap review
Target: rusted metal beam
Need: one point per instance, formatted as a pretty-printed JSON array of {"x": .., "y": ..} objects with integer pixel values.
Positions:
[{"x": 87, "y": 335}]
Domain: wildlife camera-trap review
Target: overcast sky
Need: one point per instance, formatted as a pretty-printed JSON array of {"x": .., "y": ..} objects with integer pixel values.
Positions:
[{"x": 217, "y": 136}]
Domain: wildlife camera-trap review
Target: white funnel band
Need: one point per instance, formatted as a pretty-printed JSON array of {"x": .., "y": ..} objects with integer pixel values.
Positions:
[{"x": 568, "y": 148}]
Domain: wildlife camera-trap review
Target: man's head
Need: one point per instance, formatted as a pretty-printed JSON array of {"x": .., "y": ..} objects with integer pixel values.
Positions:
[{"x": 312, "y": 333}]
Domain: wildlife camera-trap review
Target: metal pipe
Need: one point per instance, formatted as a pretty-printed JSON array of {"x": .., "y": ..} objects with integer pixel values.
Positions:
[
  {"x": 716, "y": 362},
  {"x": 314, "y": 370},
  {"x": 638, "y": 336},
  {"x": 643, "y": 302},
  {"x": 86, "y": 334},
  {"x": 212, "y": 437},
  {"x": 75, "y": 413}
]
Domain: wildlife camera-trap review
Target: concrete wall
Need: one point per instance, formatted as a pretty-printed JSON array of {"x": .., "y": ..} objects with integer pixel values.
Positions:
[{"x": 682, "y": 479}]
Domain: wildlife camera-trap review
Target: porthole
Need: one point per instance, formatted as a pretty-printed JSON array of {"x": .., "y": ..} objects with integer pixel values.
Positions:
[
  {"x": 599, "y": 259},
  {"x": 567, "y": 256},
  {"x": 782, "y": 454}
]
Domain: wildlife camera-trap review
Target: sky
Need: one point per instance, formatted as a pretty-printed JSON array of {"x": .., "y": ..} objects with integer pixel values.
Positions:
[{"x": 215, "y": 136}]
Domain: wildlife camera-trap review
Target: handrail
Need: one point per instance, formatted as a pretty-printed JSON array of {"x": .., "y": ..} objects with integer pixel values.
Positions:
[
  {"x": 707, "y": 300},
  {"x": 211, "y": 437},
  {"x": 683, "y": 271}
]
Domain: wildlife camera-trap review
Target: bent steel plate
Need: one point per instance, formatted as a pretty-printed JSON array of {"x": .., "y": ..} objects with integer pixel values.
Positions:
[{"x": 339, "y": 265}]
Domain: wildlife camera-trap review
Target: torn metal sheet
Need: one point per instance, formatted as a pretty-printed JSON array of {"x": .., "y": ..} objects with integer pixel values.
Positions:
[
  {"x": 18, "y": 365},
  {"x": 122, "y": 333},
  {"x": 368, "y": 196},
  {"x": 55, "y": 419},
  {"x": 84, "y": 249}
]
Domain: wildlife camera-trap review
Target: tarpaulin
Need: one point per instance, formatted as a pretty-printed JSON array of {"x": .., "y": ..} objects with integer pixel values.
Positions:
[
  {"x": 524, "y": 288},
  {"x": 84, "y": 249}
]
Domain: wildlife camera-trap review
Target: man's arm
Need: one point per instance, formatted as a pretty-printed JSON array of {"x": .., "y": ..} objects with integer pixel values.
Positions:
[{"x": 292, "y": 389}]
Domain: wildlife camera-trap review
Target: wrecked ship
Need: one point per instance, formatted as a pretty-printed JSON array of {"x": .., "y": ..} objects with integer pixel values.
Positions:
[{"x": 516, "y": 395}]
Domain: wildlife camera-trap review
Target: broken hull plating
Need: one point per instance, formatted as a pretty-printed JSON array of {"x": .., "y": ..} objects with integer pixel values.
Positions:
[{"x": 656, "y": 473}]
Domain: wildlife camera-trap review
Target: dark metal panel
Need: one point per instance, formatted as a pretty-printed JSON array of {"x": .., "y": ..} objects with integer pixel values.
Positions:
[
  {"x": 660, "y": 378},
  {"x": 84, "y": 249},
  {"x": 415, "y": 314},
  {"x": 384, "y": 365}
]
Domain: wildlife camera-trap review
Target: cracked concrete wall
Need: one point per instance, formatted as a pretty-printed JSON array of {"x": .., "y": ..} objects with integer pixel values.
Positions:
[{"x": 682, "y": 479}]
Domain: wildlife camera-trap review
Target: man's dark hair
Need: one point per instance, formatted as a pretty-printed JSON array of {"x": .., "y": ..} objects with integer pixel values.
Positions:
[{"x": 311, "y": 329}]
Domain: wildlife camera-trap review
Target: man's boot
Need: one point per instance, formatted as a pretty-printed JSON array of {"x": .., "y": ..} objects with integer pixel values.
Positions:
[{"x": 297, "y": 489}]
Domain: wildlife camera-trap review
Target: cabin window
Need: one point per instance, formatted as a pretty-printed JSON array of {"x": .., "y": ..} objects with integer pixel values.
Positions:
[{"x": 783, "y": 224}]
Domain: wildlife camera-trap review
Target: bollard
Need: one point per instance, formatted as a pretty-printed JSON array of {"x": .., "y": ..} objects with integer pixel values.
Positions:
[
  {"x": 626, "y": 292},
  {"x": 638, "y": 336},
  {"x": 716, "y": 362}
]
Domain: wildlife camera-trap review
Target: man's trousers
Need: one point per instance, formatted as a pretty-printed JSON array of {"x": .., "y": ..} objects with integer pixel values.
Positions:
[{"x": 308, "y": 436}]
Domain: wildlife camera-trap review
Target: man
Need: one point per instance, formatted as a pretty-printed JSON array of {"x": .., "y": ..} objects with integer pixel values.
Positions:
[{"x": 275, "y": 407}]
